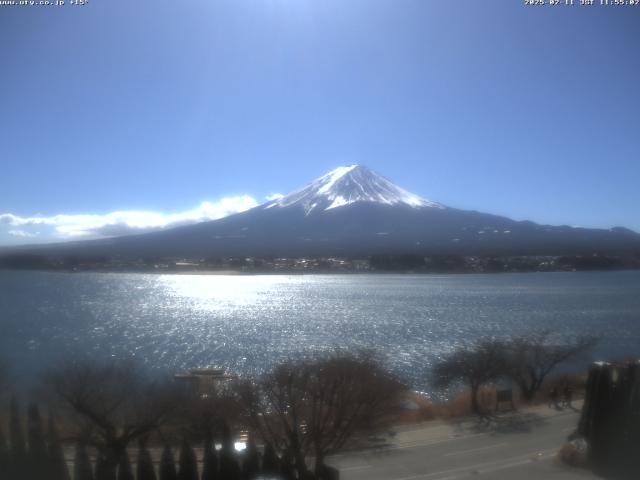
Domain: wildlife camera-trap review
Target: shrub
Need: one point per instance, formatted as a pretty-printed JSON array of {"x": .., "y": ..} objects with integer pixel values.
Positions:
[
  {"x": 144, "y": 469},
  {"x": 210, "y": 467},
  {"x": 82, "y": 465},
  {"x": 188, "y": 463},
  {"x": 167, "y": 465},
  {"x": 57, "y": 465},
  {"x": 125, "y": 471}
]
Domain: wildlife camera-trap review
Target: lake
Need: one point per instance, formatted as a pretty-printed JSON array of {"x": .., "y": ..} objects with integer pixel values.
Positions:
[{"x": 248, "y": 323}]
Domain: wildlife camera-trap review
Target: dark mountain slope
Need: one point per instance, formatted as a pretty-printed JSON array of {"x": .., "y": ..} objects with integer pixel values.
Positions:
[{"x": 354, "y": 211}]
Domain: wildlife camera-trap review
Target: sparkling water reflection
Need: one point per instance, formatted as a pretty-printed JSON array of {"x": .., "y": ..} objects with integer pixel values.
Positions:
[{"x": 246, "y": 323}]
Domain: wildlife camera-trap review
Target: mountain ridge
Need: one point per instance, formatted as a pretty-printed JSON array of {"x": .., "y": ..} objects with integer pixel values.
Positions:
[{"x": 355, "y": 211}]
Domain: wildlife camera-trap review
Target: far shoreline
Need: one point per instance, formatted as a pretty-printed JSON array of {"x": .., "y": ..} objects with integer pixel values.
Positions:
[
  {"x": 389, "y": 263},
  {"x": 240, "y": 273}
]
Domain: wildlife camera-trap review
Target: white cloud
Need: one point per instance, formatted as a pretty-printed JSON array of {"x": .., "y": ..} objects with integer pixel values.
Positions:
[
  {"x": 125, "y": 221},
  {"x": 274, "y": 196},
  {"x": 22, "y": 233}
]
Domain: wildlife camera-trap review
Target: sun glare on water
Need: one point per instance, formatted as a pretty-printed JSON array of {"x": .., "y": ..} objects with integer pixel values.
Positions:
[{"x": 221, "y": 292}]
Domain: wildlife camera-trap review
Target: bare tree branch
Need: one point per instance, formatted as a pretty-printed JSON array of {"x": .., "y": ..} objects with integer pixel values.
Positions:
[
  {"x": 114, "y": 402},
  {"x": 314, "y": 408},
  {"x": 475, "y": 365},
  {"x": 532, "y": 358}
]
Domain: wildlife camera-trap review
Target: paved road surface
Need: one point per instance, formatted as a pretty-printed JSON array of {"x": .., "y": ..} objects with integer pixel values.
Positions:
[{"x": 522, "y": 446}]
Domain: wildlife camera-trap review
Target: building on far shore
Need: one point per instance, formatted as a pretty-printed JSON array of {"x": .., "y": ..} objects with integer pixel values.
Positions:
[{"x": 205, "y": 382}]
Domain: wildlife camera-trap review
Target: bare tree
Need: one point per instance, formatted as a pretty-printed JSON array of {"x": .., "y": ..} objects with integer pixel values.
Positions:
[
  {"x": 532, "y": 358},
  {"x": 314, "y": 408},
  {"x": 475, "y": 366},
  {"x": 115, "y": 403}
]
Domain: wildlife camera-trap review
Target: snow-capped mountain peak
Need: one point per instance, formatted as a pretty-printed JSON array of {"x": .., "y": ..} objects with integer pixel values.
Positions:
[{"x": 348, "y": 185}]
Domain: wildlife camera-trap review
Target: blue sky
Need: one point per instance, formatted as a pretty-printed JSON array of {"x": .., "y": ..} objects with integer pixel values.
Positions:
[{"x": 166, "y": 112}]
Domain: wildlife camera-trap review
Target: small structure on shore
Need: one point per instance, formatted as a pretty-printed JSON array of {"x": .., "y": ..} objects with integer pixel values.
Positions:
[{"x": 205, "y": 382}]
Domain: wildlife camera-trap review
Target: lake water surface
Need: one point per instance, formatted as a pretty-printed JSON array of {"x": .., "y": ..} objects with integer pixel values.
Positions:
[{"x": 247, "y": 323}]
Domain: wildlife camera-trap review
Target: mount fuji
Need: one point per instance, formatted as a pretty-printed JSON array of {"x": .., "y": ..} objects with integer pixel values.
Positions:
[
  {"x": 353, "y": 211},
  {"x": 347, "y": 186}
]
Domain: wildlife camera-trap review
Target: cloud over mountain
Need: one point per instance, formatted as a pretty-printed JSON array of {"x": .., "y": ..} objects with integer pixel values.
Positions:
[{"x": 124, "y": 222}]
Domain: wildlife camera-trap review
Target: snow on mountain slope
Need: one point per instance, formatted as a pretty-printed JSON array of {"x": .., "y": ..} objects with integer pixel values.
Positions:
[{"x": 349, "y": 185}]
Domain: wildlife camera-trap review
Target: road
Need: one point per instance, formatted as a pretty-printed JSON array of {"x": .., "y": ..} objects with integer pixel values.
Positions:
[{"x": 522, "y": 445}]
